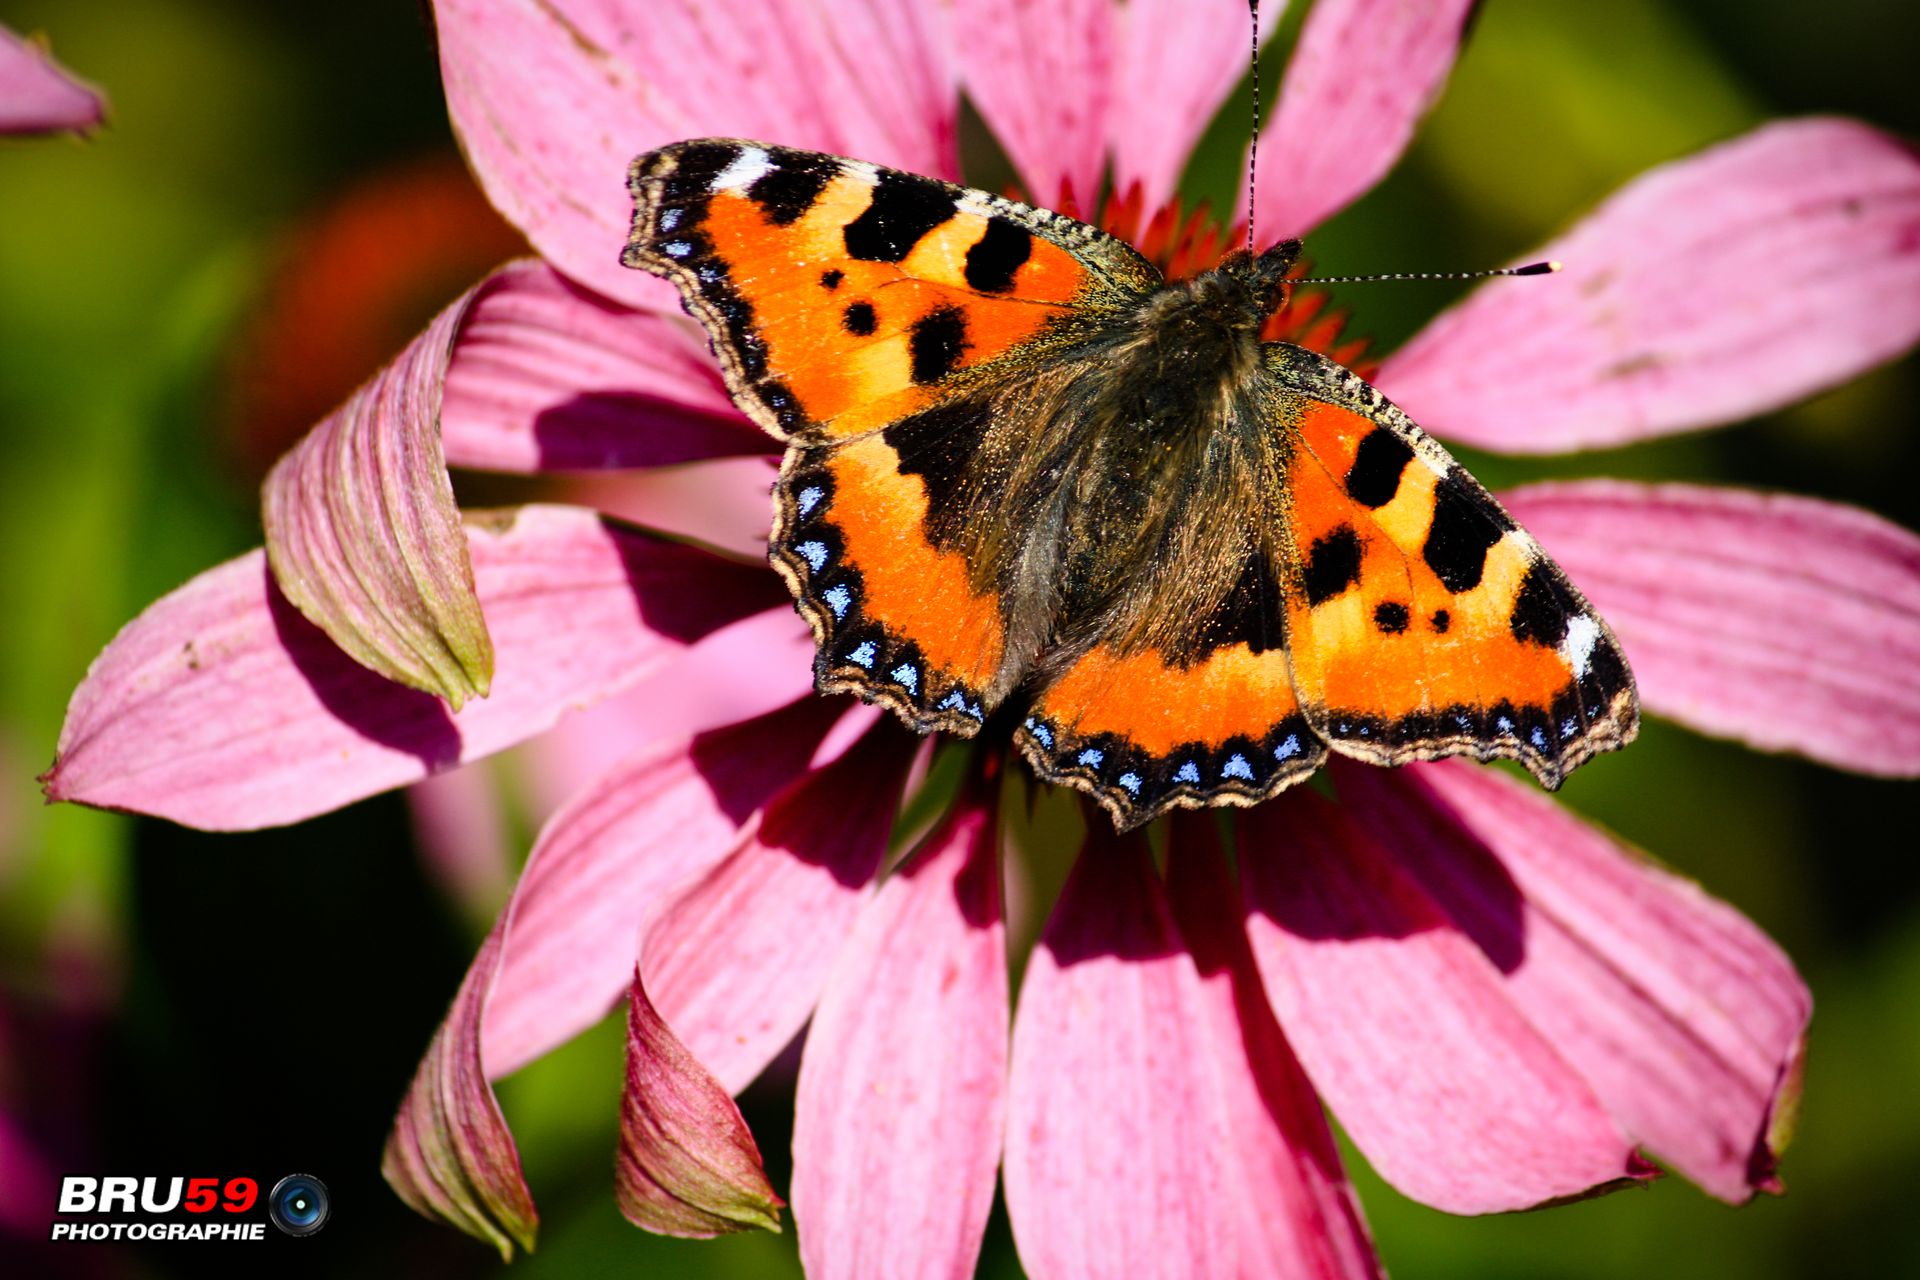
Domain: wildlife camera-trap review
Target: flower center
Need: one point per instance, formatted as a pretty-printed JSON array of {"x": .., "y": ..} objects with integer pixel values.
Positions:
[{"x": 1184, "y": 242}]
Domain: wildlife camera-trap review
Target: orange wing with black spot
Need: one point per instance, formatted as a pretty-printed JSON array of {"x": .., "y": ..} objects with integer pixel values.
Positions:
[
  {"x": 860, "y": 314},
  {"x": 1421, "y": 620}
]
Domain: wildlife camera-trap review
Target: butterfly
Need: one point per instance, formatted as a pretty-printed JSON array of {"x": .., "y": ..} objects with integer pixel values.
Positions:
[{"x": 1025, "y": 471}]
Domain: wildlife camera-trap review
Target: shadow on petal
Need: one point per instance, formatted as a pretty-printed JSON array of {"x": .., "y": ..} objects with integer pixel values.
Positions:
[
  {"x": 596, "y": 430},
  {"x": 368, "y": 703},
  {"x": 685, "y": 593},
  {"x": 1491, "y": 914}
]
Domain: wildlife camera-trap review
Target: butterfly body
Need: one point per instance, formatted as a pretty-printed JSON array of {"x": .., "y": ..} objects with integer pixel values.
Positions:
[{"x": 1025, "y": 470}]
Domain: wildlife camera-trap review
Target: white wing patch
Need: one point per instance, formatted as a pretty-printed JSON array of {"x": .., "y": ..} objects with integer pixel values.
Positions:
[
  {"x": 743, "y": 170},
  {"x": 1577, "y": 648}
]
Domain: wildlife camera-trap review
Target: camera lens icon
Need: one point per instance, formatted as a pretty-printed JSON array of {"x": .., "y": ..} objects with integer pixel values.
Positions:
[{"x": 299, "y": 1204}]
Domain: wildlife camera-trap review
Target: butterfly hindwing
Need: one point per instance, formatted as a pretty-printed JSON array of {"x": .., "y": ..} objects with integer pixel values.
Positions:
[
  {"x": 1142, "y": 734},
  {"x": 1423, "y": 621},
  {"x": 896, "y": 619}
]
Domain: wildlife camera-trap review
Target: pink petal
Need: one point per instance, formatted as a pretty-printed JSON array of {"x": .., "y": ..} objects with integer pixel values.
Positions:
[
  {"x": 1175, "y": 62},
  {"x": 687, "y": 1165},
  {"x": 221, "y": 707},
  {"x": 449, "y": 1155},
  {"x": 1707, "y": 290},
  {"x": 740, "y": 671},
  {"x": 460, "y": 827},
  {"x": 1406, "y": 1029},
  {"x": 723, "y": 503},
  {"x": 1362, "y": 76},
  {"x": 1041, "y": 74},
  {"x": 552, "y": 101},
  {"x": 364, "y": 537},
  {"x": 635, "y": 834},
  {"x": 38, "y": 95},
  {"x": 1294, "y": 1209},
  {"x": 896, "y": 1136},
  {"x": 736, "y": 962},
  {"x": 1114, "y": 1141},
  {"x": 1787, "y": 623},
  {"x": 546, "y": 376},
  {"x": 1685, "y": 1018}
]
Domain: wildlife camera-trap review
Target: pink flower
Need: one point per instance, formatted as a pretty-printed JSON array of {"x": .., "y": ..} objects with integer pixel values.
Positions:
[
  {"x": 37, "y": 95},
  {"x": 1501, "y": 1004}
]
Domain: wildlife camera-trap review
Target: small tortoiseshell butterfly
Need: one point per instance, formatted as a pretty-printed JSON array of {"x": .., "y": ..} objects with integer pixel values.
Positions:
[{"x": 1024, "y": 469}]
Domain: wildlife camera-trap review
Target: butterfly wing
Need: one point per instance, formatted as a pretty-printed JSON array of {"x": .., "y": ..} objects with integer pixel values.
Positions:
[
  {"x": 866, "y": 316},
  {"x": 1146, "y": 731},
  {"x": 1422, "y": 621}
]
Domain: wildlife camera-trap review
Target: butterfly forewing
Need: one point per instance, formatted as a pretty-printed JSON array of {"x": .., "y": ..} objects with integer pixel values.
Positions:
[{"x": 861, "y": 314}]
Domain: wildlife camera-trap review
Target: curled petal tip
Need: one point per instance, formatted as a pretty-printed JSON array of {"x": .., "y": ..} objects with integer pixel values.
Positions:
[
  {"x": 449, "y": 1154},
  {"x": 38, "y": 95},
  {"x": 687, "y": 1164},
  {"x": 1763, "y": 1165},
  {"x": 1640, "y": 1172},
  {"x": 364, "y": 537}
]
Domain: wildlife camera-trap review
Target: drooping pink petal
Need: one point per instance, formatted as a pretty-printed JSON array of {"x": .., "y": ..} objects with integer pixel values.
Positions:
[
  {"x": 1706, "y": 291},
  {"x": 635, "y": 834},
  {"x": 1294, "y": 1210},
  {"x": 38, "y": 95},
  {"x": 1406, "y": 1029},
  {"x": 449, "y": 1154},
  {"x": 687, "y": 1165},
  {"x": 1041, "y": 73},
  {"x": 552, "y": 101},
  {"x": 1790, "y": 624},
  {"x": 546, "y": 376},
  {"x": 1115, "y": 1142},
  {"x": 1685, "y": 1018},
  {"x": 222, "y": 708},
  {"x": 1361, "y": 78},
  {"x": 460, "y": 828},
  {"x": 896, "y": 1136},
  {"x": 364, "y": 536},
  {"x": 564, "y": 945},
  {"x": 736, "y": 961},
  {"x": 1174, "y": 63}
]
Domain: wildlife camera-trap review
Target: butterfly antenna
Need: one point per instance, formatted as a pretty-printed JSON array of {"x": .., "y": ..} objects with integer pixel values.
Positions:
[
  {"x": 1531, "y": 269},
  {"x": 1253, "y": 147}
]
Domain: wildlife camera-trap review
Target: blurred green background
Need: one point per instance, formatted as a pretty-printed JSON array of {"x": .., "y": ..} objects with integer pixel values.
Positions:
[{"x": 168, "y": 294}]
